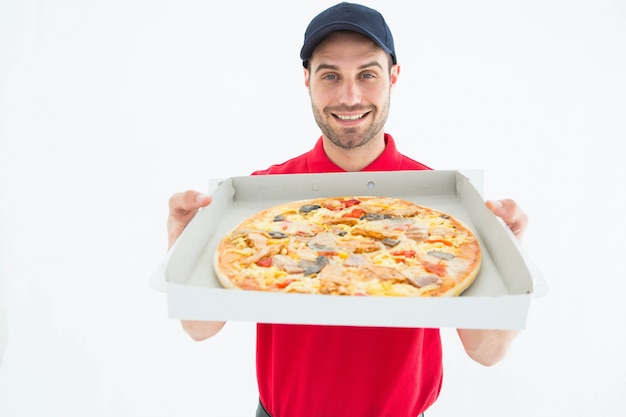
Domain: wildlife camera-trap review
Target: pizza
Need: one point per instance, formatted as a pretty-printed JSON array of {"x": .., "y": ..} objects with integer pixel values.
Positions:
[{"x": 364, "y": 245}]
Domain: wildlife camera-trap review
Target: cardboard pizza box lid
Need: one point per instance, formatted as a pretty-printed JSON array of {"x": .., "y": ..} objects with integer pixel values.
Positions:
[{"x": 498, "y": 299}]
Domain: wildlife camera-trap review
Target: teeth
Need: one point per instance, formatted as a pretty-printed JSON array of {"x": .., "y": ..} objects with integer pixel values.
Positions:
[{"x": 355, "y": 117}]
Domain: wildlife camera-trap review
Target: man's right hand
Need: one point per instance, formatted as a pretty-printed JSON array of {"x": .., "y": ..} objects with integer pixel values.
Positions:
[{"x": 183, "y": 206}]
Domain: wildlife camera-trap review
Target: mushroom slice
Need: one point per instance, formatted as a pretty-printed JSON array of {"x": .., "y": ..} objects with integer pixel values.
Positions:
[{"x": 446, "y": 256}]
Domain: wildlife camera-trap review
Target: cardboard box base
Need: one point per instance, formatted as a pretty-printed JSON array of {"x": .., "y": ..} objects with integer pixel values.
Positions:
[{"x": 498, "y": 299}]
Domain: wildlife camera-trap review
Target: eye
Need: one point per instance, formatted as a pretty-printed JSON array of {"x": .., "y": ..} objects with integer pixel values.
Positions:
[
  {"x": 329, "y": 77},
  {"x": 368, "y": 75}
]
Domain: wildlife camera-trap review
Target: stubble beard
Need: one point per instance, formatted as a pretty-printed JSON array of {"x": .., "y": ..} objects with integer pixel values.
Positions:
[{"x": 352, "y": 137}]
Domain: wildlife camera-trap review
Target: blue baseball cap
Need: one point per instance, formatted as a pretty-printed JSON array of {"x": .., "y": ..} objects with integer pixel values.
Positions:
[{"x": 347, "y": 16}]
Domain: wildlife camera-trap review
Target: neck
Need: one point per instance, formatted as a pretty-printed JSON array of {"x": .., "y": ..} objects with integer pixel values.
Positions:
[{"x": 355, "y": 159}]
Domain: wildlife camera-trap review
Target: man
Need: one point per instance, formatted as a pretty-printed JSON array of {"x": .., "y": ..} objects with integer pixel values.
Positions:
[{"x": 350, "y": 69}]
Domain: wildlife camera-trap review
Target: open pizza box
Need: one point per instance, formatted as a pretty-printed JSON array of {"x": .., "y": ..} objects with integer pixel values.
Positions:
[{"x": 499, "y": 298}]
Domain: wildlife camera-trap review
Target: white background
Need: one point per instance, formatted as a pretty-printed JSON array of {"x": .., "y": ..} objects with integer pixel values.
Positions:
[{"x": 109, "y": 107}]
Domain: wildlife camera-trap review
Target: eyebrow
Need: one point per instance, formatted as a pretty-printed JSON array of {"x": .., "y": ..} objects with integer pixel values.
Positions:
[{"x": 334, "y": 67}]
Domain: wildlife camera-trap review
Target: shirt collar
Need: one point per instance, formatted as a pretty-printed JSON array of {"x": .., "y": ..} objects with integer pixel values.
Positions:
[{"x": 390, "y": 158}]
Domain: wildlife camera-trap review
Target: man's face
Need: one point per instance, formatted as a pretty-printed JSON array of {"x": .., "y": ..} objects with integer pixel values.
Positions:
[{"x": 350, "y": 83}]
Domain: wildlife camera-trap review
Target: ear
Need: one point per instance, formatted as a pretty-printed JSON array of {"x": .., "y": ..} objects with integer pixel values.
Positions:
[
  {"x": 395, "y": 73},
  {"x": 307, "y": 80}
]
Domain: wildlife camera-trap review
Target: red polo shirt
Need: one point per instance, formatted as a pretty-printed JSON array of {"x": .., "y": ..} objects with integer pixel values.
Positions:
[
  {"x": 316, "y": 162},
  {"x": 339, "y": 371}
]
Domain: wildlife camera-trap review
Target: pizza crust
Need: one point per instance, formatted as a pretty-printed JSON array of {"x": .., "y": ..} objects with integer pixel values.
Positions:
[
  {"x": 221, "y": 276},
  {"x": 350, "y": 246}
]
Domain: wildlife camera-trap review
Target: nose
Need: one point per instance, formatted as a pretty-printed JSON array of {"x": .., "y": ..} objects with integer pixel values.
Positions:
[{"x": 350, "y": 93}]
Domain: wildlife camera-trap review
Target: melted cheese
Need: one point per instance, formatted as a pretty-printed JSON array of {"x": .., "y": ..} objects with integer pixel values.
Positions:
[{"x": 401, "y": 243}]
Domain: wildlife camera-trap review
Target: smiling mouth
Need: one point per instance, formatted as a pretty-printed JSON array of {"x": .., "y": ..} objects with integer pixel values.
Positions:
[{"x": 349, "y": 118}]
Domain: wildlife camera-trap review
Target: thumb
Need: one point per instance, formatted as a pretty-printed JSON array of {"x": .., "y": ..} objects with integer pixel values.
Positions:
[
  {"x": 496, "y": 206},
  {"x": 510, "y": 212}
]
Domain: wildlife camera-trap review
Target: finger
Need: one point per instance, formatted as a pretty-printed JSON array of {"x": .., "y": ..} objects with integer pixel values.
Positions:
[
  {"x": 511, "y": 214},
  {"x": 183, "y": 202},
  {"x": 183, "y": 207}
]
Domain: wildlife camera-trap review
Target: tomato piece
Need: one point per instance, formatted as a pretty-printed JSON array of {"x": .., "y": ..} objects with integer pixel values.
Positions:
[
  {"x": 445, "y": 242},
  {"x": 439, "y": 268},
  {"x": 266, "y": 262},
  {"x": 283, "y": 284},
  {"x": 405, "y": 253},
  {"x": 356, "y": 213},
  {"x": 351, "y": 202}
]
